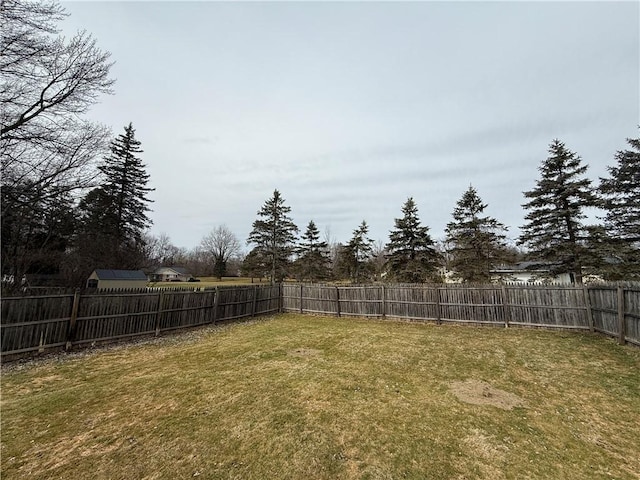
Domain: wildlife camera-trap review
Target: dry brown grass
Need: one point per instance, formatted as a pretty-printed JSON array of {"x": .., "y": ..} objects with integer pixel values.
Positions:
[{"x": 297, "y": 397}]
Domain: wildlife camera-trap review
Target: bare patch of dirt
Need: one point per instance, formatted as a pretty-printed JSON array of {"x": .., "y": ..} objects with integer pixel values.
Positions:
[{"x": 478, "y": 392}]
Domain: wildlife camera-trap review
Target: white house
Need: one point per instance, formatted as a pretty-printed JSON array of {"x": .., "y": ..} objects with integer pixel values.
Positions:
[
  {"x": 528, "y": 272},
  {"x": 170, "y": 274}
]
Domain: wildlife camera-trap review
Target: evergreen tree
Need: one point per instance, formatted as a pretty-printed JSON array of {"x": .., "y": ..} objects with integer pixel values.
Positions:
[
  {"x": 313, "y": 262},
  {"x": 411, "y": 257},
  {"x": 35, "y": 232},
  {"x": 477, "y": 243},
  {"x": 274, "y": 235},
  {"x": 342, "y": 262},
  {"x": 126, "y": 185},
  {"x": 357, "y": 253},
  {"x": 254, "y": 265},
  {"x": 621, "y": 201},
  {"x": 554, "y": 233},
  {"x": 114, "y": 215}
]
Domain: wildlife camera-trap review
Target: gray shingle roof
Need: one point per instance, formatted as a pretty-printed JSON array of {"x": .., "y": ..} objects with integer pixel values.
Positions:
[
  {"x": 104, "y": 274},
  {"x": 180, "y": 270}
]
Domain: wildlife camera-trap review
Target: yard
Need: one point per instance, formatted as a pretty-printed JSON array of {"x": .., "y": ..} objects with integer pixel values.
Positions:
[
  {"x": 293, "y": 397},
  {"x": 208, "y": 282}
]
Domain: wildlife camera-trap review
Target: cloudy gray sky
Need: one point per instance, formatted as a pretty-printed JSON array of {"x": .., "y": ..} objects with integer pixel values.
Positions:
[{"x": 350, "y": 108}]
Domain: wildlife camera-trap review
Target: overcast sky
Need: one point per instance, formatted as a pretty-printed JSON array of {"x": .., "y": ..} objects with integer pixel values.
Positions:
[{"x": 350, "y": 108}]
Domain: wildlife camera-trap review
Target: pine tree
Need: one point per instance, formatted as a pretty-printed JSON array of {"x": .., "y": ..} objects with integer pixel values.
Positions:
[
  {"x": 554, "y": 233},
  {"x": 35, "y": 232},
  {"x": 411, "y": 257},
  {"x": 476, "y": 243},
  {"x": 114, "y": 216},
  {"x": 254, "y": 265},
  {"x": 126, "y": 185},
  {"x": 313, "y": 262},
  {"x": 274, "y": 235},
  {"x": 621, "y": 201},
  {"x": 357, "y": 253}
]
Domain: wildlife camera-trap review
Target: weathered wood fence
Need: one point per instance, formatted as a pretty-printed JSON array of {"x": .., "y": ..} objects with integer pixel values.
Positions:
[
  {"x": 613, "y": 310},
  {"x": 43, "y": 322},
  {"x": 39, "y": 323}
]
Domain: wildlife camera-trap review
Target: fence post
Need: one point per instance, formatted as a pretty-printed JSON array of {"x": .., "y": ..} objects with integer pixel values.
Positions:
[
  {"x": 505, "y": 304},
  {"x": 301, "y": 287},
  {"x": 338, "y": 300},
  {"x": 587, "y": 306},
  {"x": 71, "y": 331},
  {"x": 159, "y": 311},
  {"x": 216, "y": 302},
  {"x": 253, "y": 304},
  {"x": 438, "y": 310},
  {"x": 621, "y": 322},
  {"x": 280, "y": 297},
  {"x": 384, "y": 302}
]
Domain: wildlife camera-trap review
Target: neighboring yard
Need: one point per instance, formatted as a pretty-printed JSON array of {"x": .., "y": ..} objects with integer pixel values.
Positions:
[
  {"x": 207, "y": 282},
  {"x": 302, "y": 397}
]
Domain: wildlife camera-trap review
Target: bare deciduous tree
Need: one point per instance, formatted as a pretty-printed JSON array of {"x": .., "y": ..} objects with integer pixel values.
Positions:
[
  {"x": 160, "y": 250},
  {"x": 220, "y": 245},
  {"x": 45, "y": 77},
  {"x": 48, "y": 83}
]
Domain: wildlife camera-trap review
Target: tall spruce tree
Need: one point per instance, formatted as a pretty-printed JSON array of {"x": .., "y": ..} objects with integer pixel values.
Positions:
[
  {"x": 554, "y": 234},
  {"x": 358, "y": 252},
  {"x": 274, "y": 235},
  {"x": 412, "y": 256},
  {"x": 313, "y": 262},
  {"x": 620, "y": 194},
  {"x": 477, "y": 243},
  {"x": 114, "y": 215}
]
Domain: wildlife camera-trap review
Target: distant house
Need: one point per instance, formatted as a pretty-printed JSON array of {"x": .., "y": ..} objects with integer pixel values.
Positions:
[
  {"x": 170, "y": 274},
  {"x": 101, "y": 279},
  {"x": 528, "y": 272}
]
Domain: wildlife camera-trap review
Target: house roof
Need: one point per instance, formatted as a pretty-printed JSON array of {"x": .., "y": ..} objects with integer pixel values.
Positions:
[
  {"x": 180, "y": 270},
  {"x": 524, "y": 267},
  {"x": 104, "y": 274}
]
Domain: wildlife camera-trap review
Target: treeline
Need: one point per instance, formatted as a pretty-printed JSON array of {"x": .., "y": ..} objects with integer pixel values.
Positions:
[
  {"x": 75, "y": 198},
  {"x": 554, "y": 239}
]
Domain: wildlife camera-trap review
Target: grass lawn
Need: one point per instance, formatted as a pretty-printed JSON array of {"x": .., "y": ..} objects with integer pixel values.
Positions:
[{"x": 302, "y": 397}]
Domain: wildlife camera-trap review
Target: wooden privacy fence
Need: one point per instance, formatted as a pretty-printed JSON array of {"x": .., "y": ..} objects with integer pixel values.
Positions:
[
  {"x": 613, "y": 310},
  {"x": 37, "y": 323}
]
